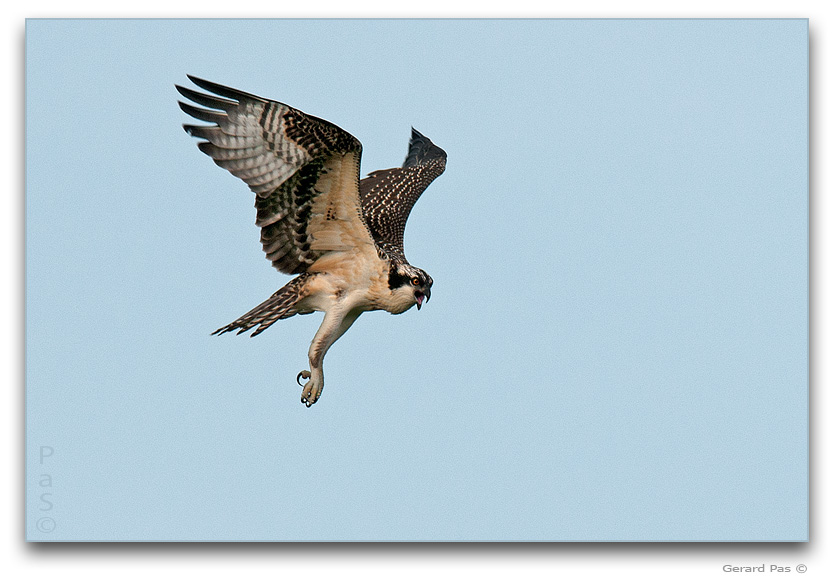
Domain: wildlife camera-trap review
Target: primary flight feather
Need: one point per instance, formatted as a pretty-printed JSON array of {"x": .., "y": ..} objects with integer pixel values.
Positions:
[{"x": 342, "y": 237}]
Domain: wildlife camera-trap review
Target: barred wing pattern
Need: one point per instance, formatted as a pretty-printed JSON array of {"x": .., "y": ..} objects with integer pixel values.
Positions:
[
  {"x": 389, "y": 194},
  {"x": 303, "y": 170}
]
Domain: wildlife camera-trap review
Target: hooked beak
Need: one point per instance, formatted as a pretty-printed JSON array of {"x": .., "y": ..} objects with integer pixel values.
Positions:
[{"x": 418, "y": 296}]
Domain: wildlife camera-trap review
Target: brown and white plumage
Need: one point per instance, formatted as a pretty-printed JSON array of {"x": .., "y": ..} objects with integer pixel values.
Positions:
[{"x": 343, "y": 237}]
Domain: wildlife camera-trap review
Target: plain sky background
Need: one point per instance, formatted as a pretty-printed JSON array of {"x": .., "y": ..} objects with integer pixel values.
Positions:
[{"x": 616, "y": 346}]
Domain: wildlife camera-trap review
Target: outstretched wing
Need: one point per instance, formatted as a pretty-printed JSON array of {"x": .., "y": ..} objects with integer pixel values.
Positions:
[
  {"x": 303, "y": 170},
  {"x": 389, "y": 194}
]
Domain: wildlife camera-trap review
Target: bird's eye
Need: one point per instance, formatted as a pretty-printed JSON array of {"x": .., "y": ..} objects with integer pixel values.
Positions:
[{"x": 415, "y": 281}]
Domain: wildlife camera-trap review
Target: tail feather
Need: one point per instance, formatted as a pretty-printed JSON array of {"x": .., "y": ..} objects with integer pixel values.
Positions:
[{"x": 278, "y": 306}]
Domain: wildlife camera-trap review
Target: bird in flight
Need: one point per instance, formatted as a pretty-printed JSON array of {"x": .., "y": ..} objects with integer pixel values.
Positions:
[{"x": 341, "y": 236}]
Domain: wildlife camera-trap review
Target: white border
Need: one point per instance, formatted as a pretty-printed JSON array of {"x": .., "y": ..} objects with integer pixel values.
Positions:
[{"x": 209, "y": 561}]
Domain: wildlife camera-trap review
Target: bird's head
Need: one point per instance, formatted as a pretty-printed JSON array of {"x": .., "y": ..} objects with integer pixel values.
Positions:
[{"x": 410, "y": 285}]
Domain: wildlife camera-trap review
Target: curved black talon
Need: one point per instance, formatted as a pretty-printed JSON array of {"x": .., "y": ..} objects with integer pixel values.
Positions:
[{"x": 302, "y": 375}]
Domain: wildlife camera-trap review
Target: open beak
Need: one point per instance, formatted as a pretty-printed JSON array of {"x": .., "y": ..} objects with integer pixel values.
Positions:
[{"x": 418, "y": 296}]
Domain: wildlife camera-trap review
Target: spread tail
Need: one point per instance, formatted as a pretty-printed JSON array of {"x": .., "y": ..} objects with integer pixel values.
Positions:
[{"x": 279, "y": 305}]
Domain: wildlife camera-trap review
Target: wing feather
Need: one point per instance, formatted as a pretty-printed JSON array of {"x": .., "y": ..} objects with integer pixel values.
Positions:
[
  {"x": 303, "y": 170},
  {"x": 388, "y": 195}
]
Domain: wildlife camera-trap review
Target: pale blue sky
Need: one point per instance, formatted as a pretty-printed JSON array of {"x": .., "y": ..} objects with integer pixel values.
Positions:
[{"x": 616, "y": 345}]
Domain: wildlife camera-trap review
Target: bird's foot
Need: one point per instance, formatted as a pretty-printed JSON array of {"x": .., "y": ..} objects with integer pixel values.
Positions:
[{"x": 312, "y": 389}]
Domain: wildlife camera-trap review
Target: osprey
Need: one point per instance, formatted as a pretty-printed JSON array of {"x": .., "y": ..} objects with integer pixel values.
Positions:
[{"x": 342, "y": 237}]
